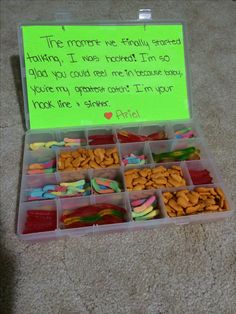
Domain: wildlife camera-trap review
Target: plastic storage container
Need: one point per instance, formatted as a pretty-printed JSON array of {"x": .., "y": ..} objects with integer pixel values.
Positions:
[{"x": 126, "y": 195}]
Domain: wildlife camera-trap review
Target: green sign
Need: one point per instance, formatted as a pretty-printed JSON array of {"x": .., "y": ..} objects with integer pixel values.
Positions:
[{"x": 80, "y": 75}]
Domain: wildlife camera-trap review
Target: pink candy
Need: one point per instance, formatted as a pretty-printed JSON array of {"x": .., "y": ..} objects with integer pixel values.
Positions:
[
  {"x": 146, "y": 204},
  {"x": 138, "y": 202}
]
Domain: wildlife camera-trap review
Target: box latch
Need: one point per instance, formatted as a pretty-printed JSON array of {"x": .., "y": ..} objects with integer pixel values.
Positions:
[{"x": 145, "y": 14}]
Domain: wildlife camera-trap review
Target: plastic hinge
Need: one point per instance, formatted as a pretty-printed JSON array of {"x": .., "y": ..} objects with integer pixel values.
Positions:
[{"x": 145, "y": 14}]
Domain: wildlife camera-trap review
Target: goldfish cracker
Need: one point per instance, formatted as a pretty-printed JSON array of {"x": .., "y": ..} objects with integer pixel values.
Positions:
[
  {"x": 154, "y": 178},
  {"x": 200, "y": 200},
  {"x": 83, "y": 158}
]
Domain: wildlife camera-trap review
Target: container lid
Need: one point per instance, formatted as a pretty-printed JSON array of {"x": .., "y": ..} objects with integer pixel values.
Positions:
[{"x": 101, "y": 74}]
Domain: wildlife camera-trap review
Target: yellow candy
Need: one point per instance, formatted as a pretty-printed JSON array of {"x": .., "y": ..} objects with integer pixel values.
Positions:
[
  {"x": 151, "y": 215},
  {"x": 35, "y": 146},
  {"x": 143, "y": 213},
  {"x": 76, "y": 183},
  {"x": 57, "y": 193},
  {"x": 51, "y": 143},
  {"x": 35, "y": 167}
]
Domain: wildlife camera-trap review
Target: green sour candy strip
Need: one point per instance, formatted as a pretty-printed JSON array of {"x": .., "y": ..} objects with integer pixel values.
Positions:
[
  {"x": 151, "y": 215},
  {"x": 73, "y": 184},
  {"x": 95, "y": 185},
  {"x": 142, "y": 213},
  {"x": 96, "y": 217},
  {"x": 180, "y": 154},
  {"x": 49, "y": 170},
  {"x": 115, "y": 186},
  {"x": 74, "y": 191}
]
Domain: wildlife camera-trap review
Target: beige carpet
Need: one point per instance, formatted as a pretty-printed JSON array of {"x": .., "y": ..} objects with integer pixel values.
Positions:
[{"x": 190, "y": 269}]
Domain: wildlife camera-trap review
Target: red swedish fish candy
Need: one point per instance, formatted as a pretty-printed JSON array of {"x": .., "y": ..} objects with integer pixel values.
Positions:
[
  {"x": 204, "y": 180},
  {"x": 42, "y": 212},
  {"x": 195, "y": 173}
]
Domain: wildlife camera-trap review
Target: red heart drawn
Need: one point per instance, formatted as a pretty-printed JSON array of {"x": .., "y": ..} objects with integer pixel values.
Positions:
[{"x": 108, "y": 115}]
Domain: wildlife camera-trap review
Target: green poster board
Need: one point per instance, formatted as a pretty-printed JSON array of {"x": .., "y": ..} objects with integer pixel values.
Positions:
[{"x": 87, "y": 75}]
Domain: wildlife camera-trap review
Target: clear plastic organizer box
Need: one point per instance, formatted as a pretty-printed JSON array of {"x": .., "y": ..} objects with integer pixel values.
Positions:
[
  {"x": 125, "y": 195},
  {"x": 123, "y": 198}
]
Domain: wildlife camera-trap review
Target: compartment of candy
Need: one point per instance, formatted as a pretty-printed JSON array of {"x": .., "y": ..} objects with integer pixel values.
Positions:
[
  {"x": 35, "y": 140},
  {"x": 88, "y": 211},
  {"x": 185, "y": 130},
  {"x": 107, "y": 181},
  {"x": 42, "y": 187},
  {"x": 71, "y": 138},
  {"x": 90, "y": 157},
  {"x": 145, "y": 205},
  {"x": 68, "y": 176},
  {"x": 177, "y": 150},
  {"x": 141, "y": 134},
  {"x": 195, "y": 200},
  {"x": 124, "y": 134},
  {"x": 39, "y": 162},
  {"x": 55, "y": 139},
  {"x": 155, "y": 132},
  {"x": 201, "y": 172},
  {"x": 101, "y": 136},
  {"x": 32, "y": 184},
  {"x": 42, "y": 177},
  {"x": 135, "y": 154},
  {"x": 119, "y": 200},
  {"x": 37, "y": 217},
  {"x": 152, "y": 177},
  {"x": 69, "y": 205}
]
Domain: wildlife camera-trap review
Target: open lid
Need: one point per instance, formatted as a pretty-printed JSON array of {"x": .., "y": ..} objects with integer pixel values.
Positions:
[{"x": 92, "y": 74}]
